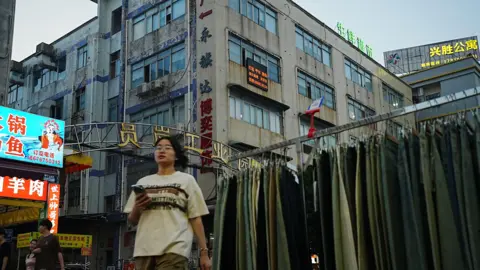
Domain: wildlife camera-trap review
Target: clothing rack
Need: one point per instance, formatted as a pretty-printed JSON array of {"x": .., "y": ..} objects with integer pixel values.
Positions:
[
  {"x": 360, "y": 123},
  {"x": 363, "y": 122}
]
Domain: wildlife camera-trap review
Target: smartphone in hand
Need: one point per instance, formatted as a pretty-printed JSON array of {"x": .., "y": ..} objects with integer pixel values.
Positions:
[{"x": 138, "y": 189}]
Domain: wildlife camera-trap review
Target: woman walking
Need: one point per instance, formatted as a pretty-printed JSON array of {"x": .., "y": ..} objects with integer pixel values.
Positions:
[
  {"x": 168, "y": 207},
  {"x": 30, "y": 259}
]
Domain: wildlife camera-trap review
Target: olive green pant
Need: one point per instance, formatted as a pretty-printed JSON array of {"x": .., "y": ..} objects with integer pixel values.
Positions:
[{"x": 167, "y": 261}]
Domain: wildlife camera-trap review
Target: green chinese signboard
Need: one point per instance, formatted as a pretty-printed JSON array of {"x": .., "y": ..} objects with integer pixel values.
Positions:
[{"x": 357, "y": 41}]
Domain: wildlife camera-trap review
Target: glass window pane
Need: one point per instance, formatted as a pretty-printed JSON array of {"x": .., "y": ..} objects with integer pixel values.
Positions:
[
  {"x": 156, "y": 21},
  {"x": 178, "y": 60},
  {"x": 273, "y": 72},
  {"x": 166, "y": 66},
  {"x": 149, "y": 23},
  {"x": 137, "y": 77},
  {"x": 348, "y": 73},
  {"x": 351, "y": 111},
  {"x": 238, "y": 109},
  {"x": 153, "y": 71},
  {"x": 259, "y": 117},
  {"x": 299, "y": 41},
  {"x": 253, "y": 113},
  {"x": 235, "y": 52},
  {"x": 232, "y": 107},
  {"x": 246, "y": 112},
  {"x": 326, "y": 57},
  {"x": 160, "y": 71},
  {"x": 163, "y": 17},
  {"x": 266, "y": 120},
  {"x": 139, "y": 30},
  {"x": 234, "y": 4},
  {"x": 302, "y": 87},
  {"x": 271, "y": 24},
  {"x": 178, "y": 9}
]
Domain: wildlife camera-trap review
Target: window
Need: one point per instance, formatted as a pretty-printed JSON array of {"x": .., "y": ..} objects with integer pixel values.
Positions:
[
  {"x": 112, "y": 109},
  {"x": 154, "y": 67},
  {"x": 43, "y": 78},
  {"x": 432, "y": 96},
  {"x": 157, "y": 17},
  {"x": 80, "y": 100},
  {"x": 255, "y": 115},
  {"x": 82, "y": 55},
  {"x": 394, "y": 129},
  {"x": 111, "y": 164},
  {"x": 116, "y": 21},
  {"x": 74, "y": 193},
  {"x": 62, "y": 67},
  {"x": 312, "y": 46},
  {"x": 56, "y": 111},
  {"x": 357, "y": 111},
  {"x": 257, "y": 12},
  {"x": 109, "y": 204},
  {"x": 239, "y": 50},
  {"x": 15, "y": 93},
  {"x": 391, "y": 96},
  {"x": 358, "y": 75},
  {"x": 313, "y": 89},
  {"x": 114, "y": 64},
  {"x": 164, "y": 115},
  {"x": 329, "y": 141}
]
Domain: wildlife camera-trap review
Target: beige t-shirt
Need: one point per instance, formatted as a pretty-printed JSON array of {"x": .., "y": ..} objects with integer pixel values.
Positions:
[{"x": 164, "y": 226}]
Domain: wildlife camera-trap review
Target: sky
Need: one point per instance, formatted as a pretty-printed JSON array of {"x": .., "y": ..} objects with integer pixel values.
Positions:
[{"x": 383, "y": 24}]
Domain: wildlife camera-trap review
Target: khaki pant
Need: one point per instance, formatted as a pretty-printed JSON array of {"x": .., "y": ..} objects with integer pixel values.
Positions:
[{"x": 168, "y": 261}]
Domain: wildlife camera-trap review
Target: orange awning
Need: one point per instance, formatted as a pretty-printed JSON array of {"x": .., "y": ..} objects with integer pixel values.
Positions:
[{"x": 77, "y": 162}]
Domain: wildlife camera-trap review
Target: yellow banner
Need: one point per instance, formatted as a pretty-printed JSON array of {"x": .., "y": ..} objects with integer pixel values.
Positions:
[{"x": 66, "y": 240}]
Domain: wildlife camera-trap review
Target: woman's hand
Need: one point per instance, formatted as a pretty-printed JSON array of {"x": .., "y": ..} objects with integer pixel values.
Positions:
[
  {"x": 142, "y": 201},
  {"x": 205, "y": 263}
]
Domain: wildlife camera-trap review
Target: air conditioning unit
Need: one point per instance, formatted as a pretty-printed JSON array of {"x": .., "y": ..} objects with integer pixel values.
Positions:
[
  {"x": 158, "y": 86},
  {"x": 143, "y": 89},
  {"x": 44, "y": 48}
]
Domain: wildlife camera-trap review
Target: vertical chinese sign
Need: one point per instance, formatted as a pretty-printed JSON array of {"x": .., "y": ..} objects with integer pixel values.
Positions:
[
  {"x": 52, "y": 205},
  {"x": 31, "y": 138},
  {"x": 206, "y": 79}
]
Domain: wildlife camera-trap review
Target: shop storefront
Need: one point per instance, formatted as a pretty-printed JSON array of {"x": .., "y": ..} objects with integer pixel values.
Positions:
[{"x": 31, "y": 157}]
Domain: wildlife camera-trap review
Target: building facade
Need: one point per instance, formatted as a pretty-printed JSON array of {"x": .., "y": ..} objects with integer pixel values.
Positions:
[
  {"x": 241, "y": 72},
  {"x": 444, "y": 80},
  {"x": 7, "y": 19}
]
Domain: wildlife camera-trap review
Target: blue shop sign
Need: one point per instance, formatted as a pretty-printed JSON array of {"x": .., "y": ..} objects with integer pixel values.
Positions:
[{"x": 31, "y": 138}]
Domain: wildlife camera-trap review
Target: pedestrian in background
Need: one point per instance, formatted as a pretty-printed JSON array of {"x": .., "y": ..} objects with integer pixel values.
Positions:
[
  {"x": 168, "y": 207},
  {"x": 30, "y": 259},
  {"x": 4, "y": 251},
  {"x": 47, "y": 251}
]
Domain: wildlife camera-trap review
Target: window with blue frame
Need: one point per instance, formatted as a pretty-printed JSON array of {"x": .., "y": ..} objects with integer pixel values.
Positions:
[
  {"x": 157, "y": 17},
  {"x": 312, "y": 46},
  {"x": 240, "y": 50},
  {"x": 257, "y": 12},
  {"x": 358, "y": 75},
  {"x": 159, "y": 65},
  {"x": 328, "y": 141},
  {"x": 314, "y": 89},
  {"x": 82, "y": 56},
  {"x": 167, "y": 114},
  {"x": 357, "y": 110}
]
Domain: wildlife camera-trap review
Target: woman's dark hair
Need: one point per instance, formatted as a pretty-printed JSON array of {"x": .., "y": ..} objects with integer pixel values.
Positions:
[{"x": 181, "y": 159}]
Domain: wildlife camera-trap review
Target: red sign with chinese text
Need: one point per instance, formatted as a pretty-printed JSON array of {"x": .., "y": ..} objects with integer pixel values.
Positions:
[
  {"x": 52, "y": 205},
  {"x": 206, "y": 128},
  {"x": 20, "y": 188}
]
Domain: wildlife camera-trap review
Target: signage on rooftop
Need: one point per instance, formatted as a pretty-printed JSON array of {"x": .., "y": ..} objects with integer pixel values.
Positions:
[
  {"x": 355, "y": 40},
  {"x": 31, "y": 138},
  {"x": 404, "y": 61},
  {"x": 257, "y": 74}
]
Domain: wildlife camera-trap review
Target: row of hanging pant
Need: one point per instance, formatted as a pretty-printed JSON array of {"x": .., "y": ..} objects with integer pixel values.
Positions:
[
  {"x": 259, "y": 222},
  {"x": 401, "y": 204}
]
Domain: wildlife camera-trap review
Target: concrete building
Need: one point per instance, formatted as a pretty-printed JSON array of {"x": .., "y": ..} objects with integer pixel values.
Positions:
[
  {"x": 251, "y": 68},
  {"x": 443, "y": 80},
  {"x": 7, "y": 19}
]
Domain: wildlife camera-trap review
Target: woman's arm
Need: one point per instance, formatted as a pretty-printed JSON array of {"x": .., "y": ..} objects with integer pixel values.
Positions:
[{"x": 199, "y": 231}]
